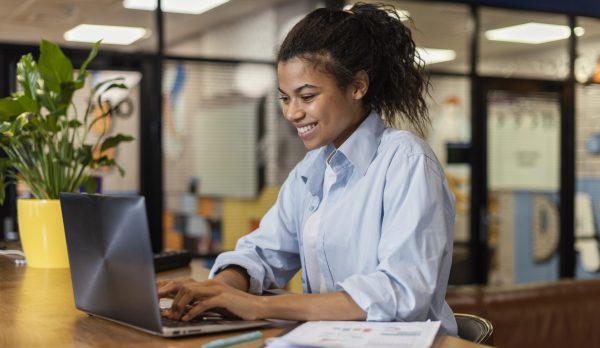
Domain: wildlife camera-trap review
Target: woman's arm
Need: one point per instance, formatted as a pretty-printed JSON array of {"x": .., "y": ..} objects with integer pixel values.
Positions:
[
  {"x": 234, "y": 276},
  {"x": 270, "y": 254},
  {"x": 328, "y": 306},
  {"x": 193, "y": 298}
]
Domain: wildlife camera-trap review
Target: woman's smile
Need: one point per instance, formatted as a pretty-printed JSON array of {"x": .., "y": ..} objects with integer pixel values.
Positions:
[{"x": 306, "y": 131}]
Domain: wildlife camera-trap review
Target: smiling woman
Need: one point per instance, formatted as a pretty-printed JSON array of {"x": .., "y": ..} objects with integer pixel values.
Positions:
[
  {"x": 367, "y": 214},
  {"x": 321, "y": 111}
]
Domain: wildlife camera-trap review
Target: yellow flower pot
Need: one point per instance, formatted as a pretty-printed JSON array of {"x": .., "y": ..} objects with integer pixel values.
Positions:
[{"x": 42, "y": 233}]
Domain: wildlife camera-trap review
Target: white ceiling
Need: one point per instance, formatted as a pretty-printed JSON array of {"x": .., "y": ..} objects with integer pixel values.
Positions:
[{"x": 28, "y": 21}]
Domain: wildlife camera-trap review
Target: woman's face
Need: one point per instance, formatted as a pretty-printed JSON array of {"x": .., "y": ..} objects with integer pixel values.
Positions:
[{"x": 311, "y": 100}]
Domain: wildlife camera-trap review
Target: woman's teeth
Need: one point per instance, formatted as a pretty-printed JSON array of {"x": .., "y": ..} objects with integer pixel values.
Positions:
[{"x": 306, "y": 128}]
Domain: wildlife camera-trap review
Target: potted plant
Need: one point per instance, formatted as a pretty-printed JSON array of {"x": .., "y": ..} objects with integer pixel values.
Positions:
[{"x": 46, "y": 146}]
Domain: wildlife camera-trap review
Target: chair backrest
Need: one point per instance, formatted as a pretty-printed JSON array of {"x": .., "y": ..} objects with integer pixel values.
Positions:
[{"x": 473, "y": 328}]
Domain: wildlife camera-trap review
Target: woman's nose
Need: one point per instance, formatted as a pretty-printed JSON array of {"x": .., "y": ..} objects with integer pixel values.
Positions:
[{"x": 293, "y": 113}]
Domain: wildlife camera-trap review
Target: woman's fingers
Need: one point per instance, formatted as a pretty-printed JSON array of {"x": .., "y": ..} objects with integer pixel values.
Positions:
[
  {"x": 201, "y": 306},
  {"x": 193, "y": 298},
  {"x": 169, "y": 287},
  {"x": 181, "y": 300},
  {"x": 193, "y": 294},
  {"x": 189, "y": 293}
]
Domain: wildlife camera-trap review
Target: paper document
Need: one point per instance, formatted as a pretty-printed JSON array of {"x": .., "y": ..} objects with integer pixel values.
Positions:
[{"x": 359, "y": 334}]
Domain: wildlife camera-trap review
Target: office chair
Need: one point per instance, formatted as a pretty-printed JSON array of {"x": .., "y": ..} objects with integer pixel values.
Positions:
[{"x": 473, "y": 328}]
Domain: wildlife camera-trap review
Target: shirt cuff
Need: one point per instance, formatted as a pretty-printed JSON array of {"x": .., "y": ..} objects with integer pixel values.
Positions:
[
  {"x": 372, "y": 295},
  {"x": 256, "y": 274}
]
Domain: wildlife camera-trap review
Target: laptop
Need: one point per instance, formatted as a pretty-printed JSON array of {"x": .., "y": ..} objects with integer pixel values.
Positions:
[{"x": 111, "y": 264}]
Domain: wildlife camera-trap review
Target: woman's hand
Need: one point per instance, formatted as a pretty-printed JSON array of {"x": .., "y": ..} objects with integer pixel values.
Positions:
[
  {"x": 191, "y": 298},
  {"x": 170, "y": 287}
]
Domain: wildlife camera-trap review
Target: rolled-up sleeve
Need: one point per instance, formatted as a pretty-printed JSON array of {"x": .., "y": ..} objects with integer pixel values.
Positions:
[
  {"x": 414, "y": 250},
  {"x": 270, "y": 254}
]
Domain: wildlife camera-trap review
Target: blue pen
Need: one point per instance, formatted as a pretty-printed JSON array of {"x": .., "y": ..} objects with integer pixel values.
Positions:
[{"x": 230, "y": 341}]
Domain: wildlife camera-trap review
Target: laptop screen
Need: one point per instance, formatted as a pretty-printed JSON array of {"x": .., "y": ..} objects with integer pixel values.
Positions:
[{"x": 110, "y": 257}]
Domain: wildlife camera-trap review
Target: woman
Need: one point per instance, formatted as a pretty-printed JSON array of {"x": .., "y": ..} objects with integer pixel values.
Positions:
[{"x": 367, "y": 214}]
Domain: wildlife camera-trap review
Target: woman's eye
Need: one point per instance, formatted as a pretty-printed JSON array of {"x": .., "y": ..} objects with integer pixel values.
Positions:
[
  {"x": 308, "y": 97},
  {"x": 283, "y": 99}
]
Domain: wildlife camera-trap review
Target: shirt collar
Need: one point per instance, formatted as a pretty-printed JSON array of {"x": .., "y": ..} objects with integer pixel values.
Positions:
[
  {"x": 362, "y": 144},
  {"x": 359, "y": 149}
]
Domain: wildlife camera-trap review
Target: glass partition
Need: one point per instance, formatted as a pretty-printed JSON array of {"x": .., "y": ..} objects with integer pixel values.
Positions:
[
  {"x": 523, "y": 44},
  {"x": 450, "y": 138},
  {"x": 226, "y": 151}
]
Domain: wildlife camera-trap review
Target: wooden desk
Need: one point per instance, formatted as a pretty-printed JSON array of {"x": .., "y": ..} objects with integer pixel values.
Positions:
[{"x": 37, "y": 310}]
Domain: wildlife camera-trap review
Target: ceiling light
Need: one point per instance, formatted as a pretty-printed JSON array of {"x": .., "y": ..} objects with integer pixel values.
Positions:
[
  {"x": 107, "y": 33},
  {"x": 402, "y": 14},
  {"x": 435, "y": 55},
  {"x": 532, "y": 33},
  {"x": 174, "y": 6},
  {"x": 579, "y": 31}
]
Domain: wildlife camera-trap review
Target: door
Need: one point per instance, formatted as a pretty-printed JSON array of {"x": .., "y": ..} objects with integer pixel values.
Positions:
[{"x": 517, "y": 175}]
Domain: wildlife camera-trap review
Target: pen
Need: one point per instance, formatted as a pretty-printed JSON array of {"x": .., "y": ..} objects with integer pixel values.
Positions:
[{"x": 230, "y": 341}]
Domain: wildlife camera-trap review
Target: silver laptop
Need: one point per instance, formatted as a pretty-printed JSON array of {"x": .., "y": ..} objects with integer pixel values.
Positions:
[{"x": 112, "y": 268}]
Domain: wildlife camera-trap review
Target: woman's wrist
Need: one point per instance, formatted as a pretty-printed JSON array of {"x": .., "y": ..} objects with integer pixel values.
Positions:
[
  {"x": 263, "y": 310},
  {"x": 235, "y": 276}
]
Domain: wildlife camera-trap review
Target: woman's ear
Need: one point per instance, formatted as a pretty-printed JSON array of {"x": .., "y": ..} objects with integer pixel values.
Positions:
[{"x": 360, "y": 85}]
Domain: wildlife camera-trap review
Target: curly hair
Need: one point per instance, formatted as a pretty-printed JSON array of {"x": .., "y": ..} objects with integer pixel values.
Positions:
[{"x": 369, "y": 37}]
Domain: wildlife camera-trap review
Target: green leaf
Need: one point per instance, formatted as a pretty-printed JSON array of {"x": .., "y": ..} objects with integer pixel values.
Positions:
[
  {"x": 28, "y": 75},
  {"x": 82, "y": 70},
  {"x": 28, "y": 104},
  {"x": 54, "y": 67},
  {"x": 74, "y": 124},
  {"x": 66, "y": 93},
  {"x": 79, "y": 83},
  {"x": 84, "y": 154},
  {"x": 90, "y": 185},
  {"x": 99, "y": 85},
  {"x": 47, "y": 101},
  {"x": 2, "y": 186},
  {"x": 51, "y": 123},
  {"x": 4, "y": 126},
  {"x": 121, "y": 170},
  {"x": 114, "y": 141},
  {"x": 17, "y": 124},
  {"x": 37, "y": 123},
  {"x": 10, "y": 107},
  {"x": 115, "y": 85}
]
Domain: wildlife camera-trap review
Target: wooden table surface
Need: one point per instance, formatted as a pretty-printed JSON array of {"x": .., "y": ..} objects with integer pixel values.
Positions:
[{"x": 37, "y": 310}]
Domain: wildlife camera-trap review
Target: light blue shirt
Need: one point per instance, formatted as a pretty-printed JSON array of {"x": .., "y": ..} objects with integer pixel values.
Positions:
[{"x": 386, "y": 232}]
